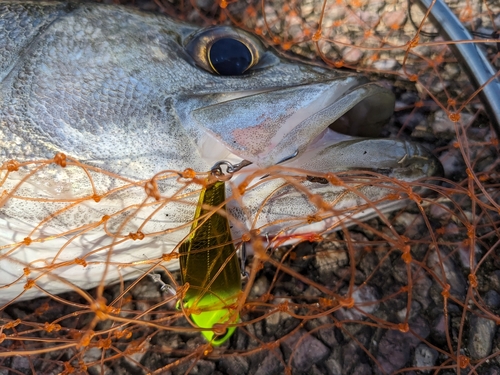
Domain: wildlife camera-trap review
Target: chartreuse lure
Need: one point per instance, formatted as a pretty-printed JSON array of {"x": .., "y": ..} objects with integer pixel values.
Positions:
[{"x": 209, "y": 264}]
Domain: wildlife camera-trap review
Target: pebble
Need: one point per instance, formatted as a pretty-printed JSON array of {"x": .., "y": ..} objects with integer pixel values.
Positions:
[
  {"x": 493, "y": 371},
  {"x": 492, "y": 299},
  {"x": 364, "y": 300},
  {"x": 305, "y": 349},
  {"x": 421, "y": 287},
  {"x": 481, "y": 334},
  {"x": 440, "y": 213},
  {"x": 495, "y": 280},
  {"x": 279, "y": 324},
  {"x": 327, "y": 335},
  {"x": 352, "y": 55},
  {"x": 452, "y": 275},
  {"x": 93, "y": 355},
  {"x": 392, "y": 355},
  {"x": 271, "y": 365},
  {"x": 333, "y": 366},
  {"x": 234, "y": 365},
  {"x": 425, "y": 357},
  {"x": 351, "y": 356},
  {"x": 329, "y": 262},
  {"x": 147, "y": 290},
  {"x": 362, "y": 369},
  {"x": 21, "y": 364},
  {"x": 394, "y": 19},
  {"x": 260, "y": 286},
  {"x": 395, "y": 347}
]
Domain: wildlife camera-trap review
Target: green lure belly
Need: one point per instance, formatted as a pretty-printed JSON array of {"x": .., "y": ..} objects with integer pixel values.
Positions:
[{"x": 209, "y": 264}]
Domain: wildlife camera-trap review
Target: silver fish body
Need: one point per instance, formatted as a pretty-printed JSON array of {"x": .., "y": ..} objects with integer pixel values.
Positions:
[{"x": 133, "y": 94}]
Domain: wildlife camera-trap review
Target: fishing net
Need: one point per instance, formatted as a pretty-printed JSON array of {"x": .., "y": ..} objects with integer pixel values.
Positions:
[{"x": 413, "y": 291}]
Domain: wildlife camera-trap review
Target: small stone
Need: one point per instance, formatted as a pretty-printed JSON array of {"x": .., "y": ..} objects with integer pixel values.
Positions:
[
  {"x": 362, "y": 369},
  {"x": 327, "y": 335},
  {"x": 371, "y": 19},
  {"x": 424, "y": 357},
  {"x": 260, "y": 286},
  {"x": 21, "y": 364},
  {"x": 95, "y": 355},
  {"x": 136, "y": 356},
  {"x": 481, "y": 334},
  {"x": 146, "y": 290},
  {"x": 493, "y": 371},
  {"x": 452, "y": 275},
  {"x": 331, "y": 261},
  {"x": 495, "y": 280},
  {"x": 314, "y": 370},
  {"x": 234, "y": 365},
  {"x": 394, "y": 20},
  {"x": 420, "y": 327},
  {"x": 271, "y": 365},
  {"x": 352, "y": 55},
  {"x": 492, "y": 299},
  {"x": 421, "y": 287},
  {"x": 240, "y": 340},
  {"x": 464, "y": 254},
  {"x": 364, "y": 300},
  {"x": 306, "y": 350},
  {"x": 395, "y": 346},
  {"x": 394, "y": 352},
  {"x": 351, "y": 357},
  {"x": 385, "y": 64},
  {"x": 411, "y": 222},
  {"x": 439, "y": 212},
  {"x": 333, "y": 367},
  {"x": 442, "y": 124},
  {"x": 203, "y": 367}
]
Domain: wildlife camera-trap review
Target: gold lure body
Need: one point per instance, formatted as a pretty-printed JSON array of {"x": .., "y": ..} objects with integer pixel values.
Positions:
[{"x": 209, "y": 264}]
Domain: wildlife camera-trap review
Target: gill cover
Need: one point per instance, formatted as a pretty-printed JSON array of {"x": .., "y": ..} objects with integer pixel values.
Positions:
[{"x": 209, "y": 264}]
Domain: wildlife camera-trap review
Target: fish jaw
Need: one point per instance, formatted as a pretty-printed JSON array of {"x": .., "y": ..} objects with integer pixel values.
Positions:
[
  {"x": 268, "y": 126},
  {"x": 377, "y": 168}
]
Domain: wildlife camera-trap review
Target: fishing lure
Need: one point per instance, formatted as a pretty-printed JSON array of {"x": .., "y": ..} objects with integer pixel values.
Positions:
[{"x": 209, "y": 263}]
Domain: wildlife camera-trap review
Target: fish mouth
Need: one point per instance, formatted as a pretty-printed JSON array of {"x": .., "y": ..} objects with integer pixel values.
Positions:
[{"x": 268, "y": 126}]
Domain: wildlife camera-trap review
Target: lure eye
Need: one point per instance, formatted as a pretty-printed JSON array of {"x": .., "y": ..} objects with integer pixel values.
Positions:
[
  {"x": 227, "y": 51},
  {"x": 229, "y": 57}
]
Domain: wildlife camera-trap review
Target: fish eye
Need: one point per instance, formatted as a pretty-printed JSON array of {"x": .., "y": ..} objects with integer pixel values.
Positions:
[
  {"x": 229, "y": 57},
  {"x": 225, "y": 50}
]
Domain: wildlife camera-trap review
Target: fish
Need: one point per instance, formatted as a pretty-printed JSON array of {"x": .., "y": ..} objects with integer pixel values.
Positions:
[{"x": 106, "y": 113}]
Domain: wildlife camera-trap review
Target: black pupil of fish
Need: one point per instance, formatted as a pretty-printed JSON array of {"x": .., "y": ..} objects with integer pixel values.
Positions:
[{"x": 230, "y": 57}]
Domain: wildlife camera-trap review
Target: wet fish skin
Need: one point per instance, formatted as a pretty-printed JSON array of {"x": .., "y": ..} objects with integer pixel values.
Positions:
[{"x": 117, "y": 89}]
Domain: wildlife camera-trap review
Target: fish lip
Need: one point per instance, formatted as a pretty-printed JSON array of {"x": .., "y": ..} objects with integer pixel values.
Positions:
[
  {"x": 395, "y": 158},
  {"x": 287, "y": 119}
]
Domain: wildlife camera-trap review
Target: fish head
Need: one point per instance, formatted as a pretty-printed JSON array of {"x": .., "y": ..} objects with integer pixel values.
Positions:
[
  {"x": 272, "y": 108},
  {"x": 136, "y": 93},
  {"x": 298, "y": 115}
]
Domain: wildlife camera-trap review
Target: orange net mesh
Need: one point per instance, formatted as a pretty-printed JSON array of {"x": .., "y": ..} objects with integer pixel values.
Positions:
[{"x": 417, "y": 290}]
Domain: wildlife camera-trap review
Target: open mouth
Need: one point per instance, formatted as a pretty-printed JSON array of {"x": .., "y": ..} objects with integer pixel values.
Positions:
[{"x": 268, "y": 127}]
